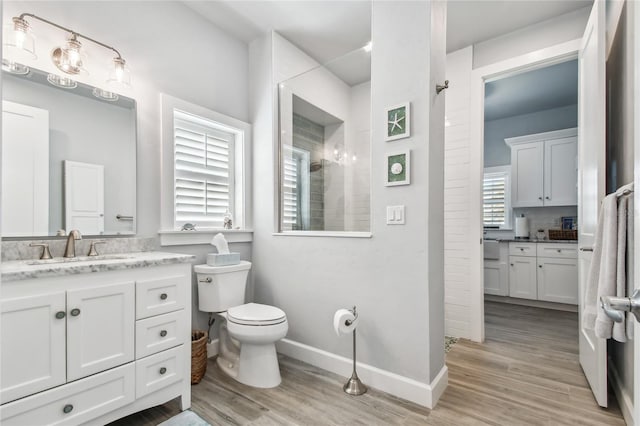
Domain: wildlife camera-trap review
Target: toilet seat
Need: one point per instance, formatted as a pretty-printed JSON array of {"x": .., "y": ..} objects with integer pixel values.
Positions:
[{"x": 255, "y": 314}]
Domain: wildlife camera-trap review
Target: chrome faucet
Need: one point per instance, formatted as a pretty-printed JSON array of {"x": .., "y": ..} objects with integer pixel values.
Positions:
[{"x": 70, "y": 249}]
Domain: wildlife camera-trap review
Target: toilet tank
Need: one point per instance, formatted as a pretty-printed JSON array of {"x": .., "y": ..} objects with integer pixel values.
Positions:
[{"x": 221, "y": 287}]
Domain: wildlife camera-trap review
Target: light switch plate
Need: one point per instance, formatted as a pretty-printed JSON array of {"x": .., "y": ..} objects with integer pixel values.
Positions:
[{"x": 395, "y": 215}]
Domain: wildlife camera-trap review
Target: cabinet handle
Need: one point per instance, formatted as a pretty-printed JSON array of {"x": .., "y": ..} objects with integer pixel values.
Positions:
[
  {"x": 75, "y": 312},
  {"x": 540, "y": 198},
  {"x": 521, "y": 249},
  {"x": 163, "y": 333},
  {"x": 206, "y": 280},
  {"x": 559, "y": 251},
  {"x": 163, "y": 296},
  {"x": 539, "y": 266},
  {"x": 67, "y": 409},
  {"x": 512, "y": 264},
  {"x": 61, "y": 314},
  {"x": 547, "y": 198},
  {"x": 586, "y": 248},
  {"x": 163, "y": 370}
]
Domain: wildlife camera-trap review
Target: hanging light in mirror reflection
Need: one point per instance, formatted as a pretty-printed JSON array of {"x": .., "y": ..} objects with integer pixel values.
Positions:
[
  {"x": 69, "y": 59},
  {"x": 341, "y": 157},
  {"x": 105, "y": 94},
  {"x": 14, "y": 67},
  {"x": 62, "y": 82},
  {"x": 18, "y": 37},
  {"x": 119, "y": 74}
]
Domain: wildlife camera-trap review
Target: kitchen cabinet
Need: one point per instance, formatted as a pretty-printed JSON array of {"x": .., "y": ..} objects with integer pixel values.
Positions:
[
  {"x": 547, "y": 272},
  {"x": 496, "y": 272},
  {"x": 95, "y": 347},
  {"x": 544, "y": 169}
]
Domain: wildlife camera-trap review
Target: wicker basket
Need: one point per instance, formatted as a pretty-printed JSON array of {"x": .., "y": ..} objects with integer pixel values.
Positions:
[
  {"x": 198, "y": 355},
  {"x": 563, "y": 234}
]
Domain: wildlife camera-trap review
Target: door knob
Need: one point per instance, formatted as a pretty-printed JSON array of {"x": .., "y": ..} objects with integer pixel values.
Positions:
[{"x": 615, "y": 307}]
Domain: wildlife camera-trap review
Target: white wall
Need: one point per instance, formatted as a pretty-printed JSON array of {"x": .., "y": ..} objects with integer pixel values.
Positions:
[
  {"x": 496, "y": 151},
  {"x": 456, "y": 195},
  {"x": 569, "y": 26},
  {"x": 206, "y": 66},
  {"x": 391, "y": 277}
]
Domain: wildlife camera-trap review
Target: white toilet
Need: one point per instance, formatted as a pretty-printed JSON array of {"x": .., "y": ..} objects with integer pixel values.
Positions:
[{"x": 248, "y": 332}]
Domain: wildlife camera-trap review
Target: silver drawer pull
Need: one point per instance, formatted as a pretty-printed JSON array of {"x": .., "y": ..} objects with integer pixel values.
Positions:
[
  {"x": 163, "y": 296},
  {"x": 61, "y": 314},
  {"x": 206, "y": 280},
  {"x": 559, "y": 251},
  {"x": 67, "y": 409},
  {"x": 75, "y": 312},
  {"x": 163, "y": 333},
  {"x": 163, "y": 370},
  {"x": 586, "y": 248}
]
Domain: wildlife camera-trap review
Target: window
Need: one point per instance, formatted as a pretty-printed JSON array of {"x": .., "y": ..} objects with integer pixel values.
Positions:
[
  {"x": 496, "y": 197},
  {"x": 296, "y": 213},
  {"x": 204, "y": 173}
]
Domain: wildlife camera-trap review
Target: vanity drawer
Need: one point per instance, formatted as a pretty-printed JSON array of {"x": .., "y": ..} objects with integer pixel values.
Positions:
[
  {"x": 160, "y": 295},
  {"x": 160, "y": 370},
  {"x": 158, "y": 333},
  {"x": 522, "y": 249},
  {"x": 76, "y": 402},
  {"x": 567, "y": 251}
]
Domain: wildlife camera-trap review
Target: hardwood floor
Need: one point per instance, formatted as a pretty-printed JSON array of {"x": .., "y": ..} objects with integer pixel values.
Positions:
[{"x": 526, "y": 373}]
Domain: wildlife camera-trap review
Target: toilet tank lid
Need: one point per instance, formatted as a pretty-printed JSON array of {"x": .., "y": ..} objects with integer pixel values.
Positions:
[
  {"x": 255, "y": 312},
  {"x": 206, "y": 269}
]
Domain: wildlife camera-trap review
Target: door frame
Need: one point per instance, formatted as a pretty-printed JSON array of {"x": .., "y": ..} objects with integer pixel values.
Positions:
[
  {"x": 530, "y": 61},
  {"x": 636, "y": 212}
]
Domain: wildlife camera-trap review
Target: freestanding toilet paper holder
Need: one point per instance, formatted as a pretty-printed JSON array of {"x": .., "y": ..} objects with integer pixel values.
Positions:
[{"x": 354, "y": 386}]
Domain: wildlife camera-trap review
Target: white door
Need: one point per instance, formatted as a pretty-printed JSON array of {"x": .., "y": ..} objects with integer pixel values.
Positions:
[
  {"x": 25, "y": 170},
  {"x": 100, "y": 328},
  {"x": 84, "y": 197},
  {"x": 527, "y": 174},
  {"x": 522, "y": 277},
  {"x": 591, "y": 184},
  {"x": 557, "y": 280},
  {"x": 33, "y": 347},
  {"x": 561, "y": 172}
]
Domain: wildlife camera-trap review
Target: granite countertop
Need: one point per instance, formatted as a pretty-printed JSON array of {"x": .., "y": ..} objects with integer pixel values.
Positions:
[
  {"x": 16, "y": 270},
  {"x": 520, "y": 240}
]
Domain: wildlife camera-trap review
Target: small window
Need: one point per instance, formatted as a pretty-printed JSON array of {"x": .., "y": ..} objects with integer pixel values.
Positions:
[
  {"x": 204, "y": 171},
  {"x": 296, "y": 214},
  {"x": 496, "y": 197}
]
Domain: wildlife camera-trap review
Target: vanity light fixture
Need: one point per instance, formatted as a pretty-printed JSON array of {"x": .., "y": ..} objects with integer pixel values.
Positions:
[
  {"x": 61, "y": 81},
  {"x": 105, "y": 94},
  {"x": 70, "y": 59},
  {"x": 14, "y": 67}
]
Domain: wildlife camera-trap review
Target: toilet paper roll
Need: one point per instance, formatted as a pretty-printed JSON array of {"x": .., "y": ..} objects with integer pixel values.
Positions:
[{"x": 340, "y": 321}]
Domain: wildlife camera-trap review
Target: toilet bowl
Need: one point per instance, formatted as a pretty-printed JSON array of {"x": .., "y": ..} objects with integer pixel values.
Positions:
[{"x": 248, "y": 331}]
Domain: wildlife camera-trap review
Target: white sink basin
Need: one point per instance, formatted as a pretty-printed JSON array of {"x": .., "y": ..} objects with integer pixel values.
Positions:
[
  {"x": 57, "y": 260},
  {"x": 491, "y": 249}
]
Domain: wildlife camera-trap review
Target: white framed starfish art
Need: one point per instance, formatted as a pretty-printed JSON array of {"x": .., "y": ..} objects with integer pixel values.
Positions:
[{"x": 398, "y": 122}]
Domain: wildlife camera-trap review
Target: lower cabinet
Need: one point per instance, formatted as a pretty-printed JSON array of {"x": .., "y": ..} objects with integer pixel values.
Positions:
[
  {"x": 538, "y": 276},
  {"x": 80, "y": 351},
  {"x": 496, "y": 278},
  {"x": 522, "y": 277}
]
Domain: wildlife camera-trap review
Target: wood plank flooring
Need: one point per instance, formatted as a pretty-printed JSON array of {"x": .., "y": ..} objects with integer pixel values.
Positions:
[{"x": 526, "y": 373}]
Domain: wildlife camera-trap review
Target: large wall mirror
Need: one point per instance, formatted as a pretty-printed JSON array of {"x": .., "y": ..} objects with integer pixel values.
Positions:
[
  {"x": 68, "y": 158},
  {"x": 325, "y": 138}
]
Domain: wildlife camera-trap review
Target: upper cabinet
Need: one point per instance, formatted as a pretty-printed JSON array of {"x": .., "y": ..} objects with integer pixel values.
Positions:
[{"x": 544, "y": 169}]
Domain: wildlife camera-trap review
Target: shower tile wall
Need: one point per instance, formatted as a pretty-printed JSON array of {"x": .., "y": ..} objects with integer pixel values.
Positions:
[{"x": 309, "y": 136}]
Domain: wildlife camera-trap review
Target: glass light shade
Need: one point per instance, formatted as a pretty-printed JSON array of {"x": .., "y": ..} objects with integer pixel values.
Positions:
[
  {"x": 69, "y": 59},
  {"x": 19, "y": 39},
  {"x": 119, "y": 74},
  {"x": 105, "y": 95},
  {"x": 62, "y": 82},
  {"x": 14, "y": 67}
]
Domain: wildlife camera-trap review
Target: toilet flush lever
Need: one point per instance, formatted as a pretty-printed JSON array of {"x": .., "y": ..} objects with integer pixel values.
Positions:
[
  {"x": 615, "y": 307},
  {"x": 206, "y": 280}
]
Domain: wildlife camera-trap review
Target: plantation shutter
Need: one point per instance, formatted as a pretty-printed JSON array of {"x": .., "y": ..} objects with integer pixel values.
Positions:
[
  {"x": 290, "y": 208},
  {"x": 203, "y": 176},
  {"x": 493, "y": 194}
]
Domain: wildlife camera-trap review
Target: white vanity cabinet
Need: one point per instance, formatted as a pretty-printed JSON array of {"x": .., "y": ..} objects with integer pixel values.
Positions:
[
  {"x": 544, "y": 169},
  {"x": 76, "y": 350},
  {"x": 522, "y": 271}
]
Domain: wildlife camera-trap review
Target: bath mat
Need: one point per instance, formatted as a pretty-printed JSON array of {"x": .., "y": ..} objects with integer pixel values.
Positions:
[
  {"x": 449, "y": 342},
  {"x": 186, "y": 418}
]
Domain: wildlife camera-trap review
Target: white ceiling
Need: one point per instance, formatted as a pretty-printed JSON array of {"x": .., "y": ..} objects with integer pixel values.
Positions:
[{"x": 532, "y": 91}]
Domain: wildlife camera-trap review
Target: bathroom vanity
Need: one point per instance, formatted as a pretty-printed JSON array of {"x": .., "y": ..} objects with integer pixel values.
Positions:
[{"x": 91, "y": 341}]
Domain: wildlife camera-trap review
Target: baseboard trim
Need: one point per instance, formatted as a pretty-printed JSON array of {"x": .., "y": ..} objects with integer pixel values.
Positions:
[
  {"x": 213, "y": 348},
  {"x": 624, "y": 399},
  {"x": 425, "y": 394},
  {"x": 533, "y": 303}
]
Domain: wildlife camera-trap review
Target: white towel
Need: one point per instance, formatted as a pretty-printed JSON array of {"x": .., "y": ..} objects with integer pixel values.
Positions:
[{"x": 607, "y": 273}]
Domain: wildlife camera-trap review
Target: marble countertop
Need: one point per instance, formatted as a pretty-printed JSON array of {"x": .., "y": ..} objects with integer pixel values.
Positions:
[
  {"x": 17, "y": 270},
  {"x": 520, "y": 240}
]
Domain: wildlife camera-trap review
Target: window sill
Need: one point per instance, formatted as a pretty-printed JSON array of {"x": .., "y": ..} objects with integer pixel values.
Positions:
[
  {"x": 332, "y": 234},
  {"x": 186, "y": 238}
]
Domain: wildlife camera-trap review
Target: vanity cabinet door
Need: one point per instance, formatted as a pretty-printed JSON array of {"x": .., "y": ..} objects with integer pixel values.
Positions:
[
  {"x": 100, "y": 328},
  {"x": 33, "y": 345}
]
